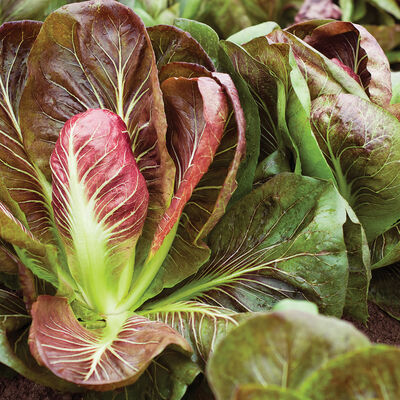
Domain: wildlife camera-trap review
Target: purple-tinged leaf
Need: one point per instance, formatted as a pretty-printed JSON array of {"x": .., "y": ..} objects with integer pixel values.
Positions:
[
  {"x": 317, "y": 9},
  {"x": 99, "y": 55},
  {"x": 18, "y": 174},
  {"x": 355, "y": 48},
  {"x": 172, "y": 44},
  {"x": 100, "y": 202},
  {"x": 183, "y": 70},
  {"x": 92, "y": 358},
  {"x": 197, "y": 111}
]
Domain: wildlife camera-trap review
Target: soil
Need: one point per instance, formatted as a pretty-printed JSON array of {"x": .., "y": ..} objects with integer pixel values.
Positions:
[{"x": 381, "y": 328}]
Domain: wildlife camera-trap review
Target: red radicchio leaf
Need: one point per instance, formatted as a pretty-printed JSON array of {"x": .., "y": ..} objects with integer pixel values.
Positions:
[
  {"x": 96, "y": 144},
  {"x": 89, "y": 357},
  {"x": 197, "y": 110}
]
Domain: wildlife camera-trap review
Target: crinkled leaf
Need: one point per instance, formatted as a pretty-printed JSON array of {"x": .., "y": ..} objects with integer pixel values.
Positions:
[
  {"x": 172, "y": 44},
  {"x": 100, "y": 360},
  {"x": 18, "y": 175},
  {"x": 384, "y": 289},
  {"x": 355, "y": 48},
  {"x": 323, "y": 76},
  {"x": 100, "y": 203},
  {"x": 285, "y": 348},
  {"x": 362, "y": 145},
  {"x": 370, "y": 373},
  {"x": 110, "y": 64},
  {"x": 291, "y": 230}
]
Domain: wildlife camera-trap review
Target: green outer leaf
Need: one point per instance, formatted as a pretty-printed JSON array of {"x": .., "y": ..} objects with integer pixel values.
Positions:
[
  {"x": 391, "y": 6},
  {"x": 369, "y": 373},
  {"x": 252, "y": 32},
  {"x": 361, "y": 142},
  {"x": 395, "y": 77},
  {"x": 270, "y": 392},
  {"x": 285, "y": 348},
  {"x": 384, "y": 289},
  {"x": 172, "y": 44},
  {"x": 359, "y": 267},
  {"x": 385, "y": 249},
  {"x": 288, "y": 231},
  {"x": 97, "y": 359},
  {"x": 8, "y": 260},
  {"x": 322, "y": 75},
  {"x": 204, "y": 34},
  {"x": 313, "y": 162}
]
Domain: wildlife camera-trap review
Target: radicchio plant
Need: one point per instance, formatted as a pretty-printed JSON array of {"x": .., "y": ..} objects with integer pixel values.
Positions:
[{"x": 141, "y": 169}]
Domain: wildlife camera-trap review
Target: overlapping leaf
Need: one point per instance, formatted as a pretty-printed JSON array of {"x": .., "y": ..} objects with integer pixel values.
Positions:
[
  {"x": 353, "y": 47},
  {"x": 385, "y": 249},
  {"x": 291, "y": 230},
  {"x": 18, "y": 175},
  {"x": 93, "y": 55},
  {"x": 362, "y": 145},
  {"x": 102, "y": 360},
  {"x": 100, "y": 202}
]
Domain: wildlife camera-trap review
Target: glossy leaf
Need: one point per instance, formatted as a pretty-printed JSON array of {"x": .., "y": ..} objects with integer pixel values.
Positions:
[
  {"x": 286, "y": 348},
  {"x": 100, "y": 204},
  {"x": 100, "y": 360},
  {"x": 361, "y": 144},
  {"x": 370, "y": 373},
  {"x": 18, "y": 175}
]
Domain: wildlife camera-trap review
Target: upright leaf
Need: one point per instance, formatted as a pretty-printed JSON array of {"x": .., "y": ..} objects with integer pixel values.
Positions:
[
  {"x": 100, "y": 202},
  {"x": 361, "y": 143},
  {"x": 19, "y": 176},
  {"x": 111, "y": 65}
]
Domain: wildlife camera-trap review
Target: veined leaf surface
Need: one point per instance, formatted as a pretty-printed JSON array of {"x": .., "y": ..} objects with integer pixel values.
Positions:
[
  {"x": 100, "y": 202},
  {"x": 98, "y": 55},
  {"x": 17, "y": 172},
  {"x": 361, "y": 143},
  {"x": 101, "y": 360}
]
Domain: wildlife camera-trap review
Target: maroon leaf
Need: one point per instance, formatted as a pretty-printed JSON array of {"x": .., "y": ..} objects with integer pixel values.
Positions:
[{"x": 98, "y": 359}]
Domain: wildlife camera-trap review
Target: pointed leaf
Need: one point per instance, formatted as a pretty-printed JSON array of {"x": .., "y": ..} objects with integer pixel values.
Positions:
[
  {"x": 114, "y": 71},
  {"x": 362, "y": 145},
  {"x": 172, "y": 44},
  {"x": 18, "y": 174},
  {"x": 370, "y": 373},
  {"x": 88, "y": 358},
  {"x": 285, "y": 348},
  {"x": 100, "y": 203}
]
